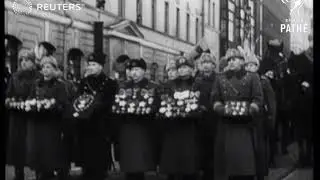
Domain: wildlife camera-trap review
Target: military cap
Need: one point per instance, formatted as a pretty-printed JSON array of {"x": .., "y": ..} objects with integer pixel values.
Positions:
[
  {"x": 48, "y": 46},
  {"x": 98, "y": 58},
  {"x": 181, "y": 60},
  {"x": 120, "y": 64},
  {"x": 137, "y": 63},
  {"x": 252, "y": 59},
  {"x": 49, "y": 59}
]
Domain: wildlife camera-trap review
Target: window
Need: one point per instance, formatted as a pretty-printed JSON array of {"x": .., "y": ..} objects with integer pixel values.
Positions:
[
  {"x": 178, "y": 23},
  {"x": 209, "y": 12},
  {"x": 213, "y": 15},
  {"x": 197, "y": 30},
  {"x": 166, "y": 18},
  {"x": 154, "y": 14},
  {"x": 139, "y": 11},
  {"x": 188, "y": 26},
  {"x": 121, "y": 8}
]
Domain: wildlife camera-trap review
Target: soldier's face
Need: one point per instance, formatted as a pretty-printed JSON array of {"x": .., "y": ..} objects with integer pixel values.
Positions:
[
  {"x": 235, "y": 64},
  {"x": 185, "y": 70},
  {"x": 26, "y": 64},
  {"x": 137, "y": 73},
  {"x": 93, "y": 68},
  {"x": 251, "y": 67},
  {"x": 48, "y": 71},
  {"x": 207, "y": 66},
  {"x": 172, "y": 74}
]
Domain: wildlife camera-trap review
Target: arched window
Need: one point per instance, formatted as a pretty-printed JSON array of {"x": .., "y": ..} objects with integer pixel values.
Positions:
[
  {"x": 74, "y": 65},
  {"x": 12, "y": 46}
]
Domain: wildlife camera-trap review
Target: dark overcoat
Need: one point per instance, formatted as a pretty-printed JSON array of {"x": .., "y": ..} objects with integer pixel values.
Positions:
[
  {"x": 180, "y": 144},
  {"x": 207, "y": 124},
  {"x": 236, "y": 148},
  {"x": 138, "y": 135},
  {"x": 93, "y": 130},
  {"x": 19, "y": 87},
  {"x": 46, "y": 145}
]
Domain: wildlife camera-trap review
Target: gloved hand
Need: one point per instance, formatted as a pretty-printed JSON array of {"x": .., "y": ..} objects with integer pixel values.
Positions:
[
  {"x": 218, "y": 107},
  {"x": 253, "y": 109}
]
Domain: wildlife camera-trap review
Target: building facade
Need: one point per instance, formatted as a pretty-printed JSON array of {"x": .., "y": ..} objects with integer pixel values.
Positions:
[{"x": 156, "y": 30}]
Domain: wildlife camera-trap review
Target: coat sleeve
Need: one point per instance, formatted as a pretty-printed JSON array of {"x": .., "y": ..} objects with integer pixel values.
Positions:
[
  {"x": 270, "y": 99},
  {"x": 216, "y": 93},
  {"x": 256, "y": 91}
]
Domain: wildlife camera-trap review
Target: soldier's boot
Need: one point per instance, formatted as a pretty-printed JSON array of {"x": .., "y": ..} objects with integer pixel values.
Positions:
[{"x": 19, "y": 173}]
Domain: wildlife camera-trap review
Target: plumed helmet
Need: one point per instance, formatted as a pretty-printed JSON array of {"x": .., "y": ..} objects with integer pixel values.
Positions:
[{"x": 232, "y": 52}]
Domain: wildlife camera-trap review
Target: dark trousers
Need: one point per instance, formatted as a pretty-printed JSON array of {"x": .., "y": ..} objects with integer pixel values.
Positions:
[
  {"x": 182, "y": 177},
  {"x": 207, "y": 157},
  {"x": 241, "y": 178},
  {"x": 135, "y": 176},
  {"x": 94, "y": 174}
]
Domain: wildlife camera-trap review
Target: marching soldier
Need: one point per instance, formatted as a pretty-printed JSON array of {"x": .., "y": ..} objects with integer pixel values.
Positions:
[
  {"x": 47, "y": 150},
  {"x": 19, "y": 88},
  {"x": 266, "y": 128},
  {"x": 135, "y": 104},
  {"x": 207, "y": 130},
  {"x": 91, "y": 110},
  {"x": 237, "y": 98},
  {"x": 179, "y": 146}
]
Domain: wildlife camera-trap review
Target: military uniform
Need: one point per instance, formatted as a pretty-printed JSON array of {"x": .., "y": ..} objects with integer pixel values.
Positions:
[{"x": 235, "y": 144}]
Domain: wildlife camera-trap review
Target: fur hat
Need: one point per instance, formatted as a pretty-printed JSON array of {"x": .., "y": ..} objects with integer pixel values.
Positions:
[
  {"x": 26, "y": 53},
  {"x": 181, "y": 60},
  {"x": 252, "y": 59},
  {"x": 137, "y": 63},
  {"x": 98, "y": 58},
  {"x": 207, "y": 57},
  {"x": 49, "y": 59},
  {"x": 232, "y": 52}
]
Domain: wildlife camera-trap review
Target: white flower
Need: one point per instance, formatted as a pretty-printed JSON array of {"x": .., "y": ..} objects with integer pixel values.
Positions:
[
  {"x": 117, "y": 99},
  {"x": 180, "y": 103},
  {"x": 47, "y": 106},
  {"x": 148, "y": 110},
  {"x": 146, "y": 96},
  {"x": 188, "y": 110},
  {"x": 142, "y": 104},
  {"x": 27, "y": 108},
  {"x": 176, "y": 95},
  {"x": 163, "y": 103},
  {"x": 113, "y": 108},
  {"x": 185, "y": 94},
  {"x": 131, "y": 105},
  {"x": 53, "y": 101},
  {"x": 81, "y": 106},
  {"x": 122, "y": 103},
  {"x": 150, "y": 100},
  {"x": 168, "y": 113},
  {"x": 194, "y": 106},
  {"x": 33, "y": 102},
  {"x": 234, "y": 113}
]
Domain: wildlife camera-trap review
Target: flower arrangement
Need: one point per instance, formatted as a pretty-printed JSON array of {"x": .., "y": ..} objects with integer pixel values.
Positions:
[
  {"x": 82, "y": 103},
  {"x": 30, "y": 104},
  {"x": 236, "y": 108},
  {"x": 134, "y": 101},
  {"x": 182, "y": 104}
]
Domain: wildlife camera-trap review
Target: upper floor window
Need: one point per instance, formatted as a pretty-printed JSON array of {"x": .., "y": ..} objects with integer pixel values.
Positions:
[
  {"x": 139, "y": 11},
  {"x": 154, "y": 13},
  {"x": 178, "y": 23},
  {"x": 166, "y": 18},
  {"x": 188, "y": 26},
  {"x": 213, "y": 15}
]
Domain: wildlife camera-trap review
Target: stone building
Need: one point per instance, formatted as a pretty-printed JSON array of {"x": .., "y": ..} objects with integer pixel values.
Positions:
[{"x": 156, "y": 30}]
